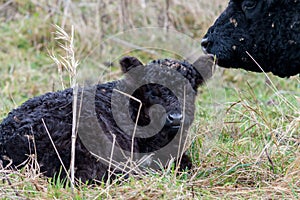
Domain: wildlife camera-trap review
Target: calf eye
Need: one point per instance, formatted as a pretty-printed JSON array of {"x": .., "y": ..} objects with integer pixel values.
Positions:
[
  {"x": 155, "y": 93},
  {"x": 248, "y": 5}
]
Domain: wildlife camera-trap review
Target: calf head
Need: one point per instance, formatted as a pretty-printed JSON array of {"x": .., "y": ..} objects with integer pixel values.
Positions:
[{"x": 165, "y": 90}]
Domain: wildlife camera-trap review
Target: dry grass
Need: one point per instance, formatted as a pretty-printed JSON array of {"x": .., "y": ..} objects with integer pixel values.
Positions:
[
  {"x": 70, "y": 64},
  {"x": 246, "y": 131}
]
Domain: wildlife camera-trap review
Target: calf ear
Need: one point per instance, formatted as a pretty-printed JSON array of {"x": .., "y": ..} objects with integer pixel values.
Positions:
[
  {"x": 205, "y": 65},
  {"x": 127, "y": 63}
]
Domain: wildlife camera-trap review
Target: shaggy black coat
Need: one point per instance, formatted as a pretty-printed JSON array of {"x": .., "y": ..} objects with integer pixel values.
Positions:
[
  {"x": 269, "y": 30},
  {"x": 22, "y": 132}
]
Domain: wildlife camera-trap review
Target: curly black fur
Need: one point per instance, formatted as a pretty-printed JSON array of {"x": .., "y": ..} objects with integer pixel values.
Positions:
[
  {"x": 269, "y": 30},
  {"x": 22, "y": 131}
]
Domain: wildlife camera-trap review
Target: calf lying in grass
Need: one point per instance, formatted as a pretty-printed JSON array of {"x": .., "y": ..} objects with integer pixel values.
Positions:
[{"x": 112, "y": 126}]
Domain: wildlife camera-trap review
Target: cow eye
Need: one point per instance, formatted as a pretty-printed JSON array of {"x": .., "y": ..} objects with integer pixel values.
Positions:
[{"x": 248, "y": 5}]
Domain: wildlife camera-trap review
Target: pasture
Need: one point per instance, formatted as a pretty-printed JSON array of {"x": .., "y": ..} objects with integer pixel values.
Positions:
[{"x": 245, "y": 137}]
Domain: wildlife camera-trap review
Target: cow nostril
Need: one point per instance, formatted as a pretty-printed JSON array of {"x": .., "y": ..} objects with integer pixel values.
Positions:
[
  {"x": 174, "y": 119},
  {"x": 204, "y": 44}
]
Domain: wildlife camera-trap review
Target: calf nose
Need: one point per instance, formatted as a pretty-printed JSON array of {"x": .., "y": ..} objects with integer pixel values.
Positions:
[
  {"x": 174, "y": 119},
  {"x": 204, "y": 44}
]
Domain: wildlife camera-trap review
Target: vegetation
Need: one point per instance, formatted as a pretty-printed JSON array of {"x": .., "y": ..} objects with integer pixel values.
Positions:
[{"x": 246, "y": 132}]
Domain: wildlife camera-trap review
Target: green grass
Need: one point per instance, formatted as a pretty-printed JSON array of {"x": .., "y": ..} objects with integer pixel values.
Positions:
[{"x": 245, "y": 134}]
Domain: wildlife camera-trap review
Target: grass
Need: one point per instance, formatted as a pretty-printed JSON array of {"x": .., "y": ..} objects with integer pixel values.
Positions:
[{"x": 246, "y": 131}]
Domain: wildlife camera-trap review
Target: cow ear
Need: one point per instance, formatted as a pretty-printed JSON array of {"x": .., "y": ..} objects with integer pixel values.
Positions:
[
  {"x": 205, "y": 65},
  {"x": 127, "y": 63}
]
